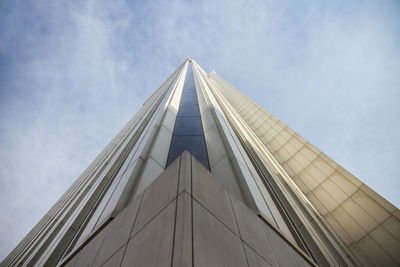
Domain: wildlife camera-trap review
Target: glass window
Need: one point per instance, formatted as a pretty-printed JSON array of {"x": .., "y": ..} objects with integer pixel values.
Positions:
[
  {"x": 195, "y": 145},
  {"x": 189, "y": 110},
  {"x": 189, "y": 91},
  {"x": 188, "y": 126},
  {"x": 188, "y": 131},
  {"x": 189, "y": 100}
]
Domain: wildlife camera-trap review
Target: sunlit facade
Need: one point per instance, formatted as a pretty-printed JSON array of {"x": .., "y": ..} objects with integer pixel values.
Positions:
[{"x": 248, "y": 191}]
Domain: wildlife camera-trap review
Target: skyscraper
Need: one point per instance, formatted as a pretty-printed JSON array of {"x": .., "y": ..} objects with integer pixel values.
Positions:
[{"x": 203, "y": 176}]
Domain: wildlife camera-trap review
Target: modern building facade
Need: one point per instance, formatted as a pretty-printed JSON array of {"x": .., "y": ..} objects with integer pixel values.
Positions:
[{"x": 203, "y": 176}]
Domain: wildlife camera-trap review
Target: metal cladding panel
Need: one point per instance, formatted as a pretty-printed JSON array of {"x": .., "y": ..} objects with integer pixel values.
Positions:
[
  {"x": 357, "y": 214},
  {"x": 186, "y": 217}
]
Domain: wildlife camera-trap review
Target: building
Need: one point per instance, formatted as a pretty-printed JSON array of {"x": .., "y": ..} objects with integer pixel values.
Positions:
[{"x": 203, "y": 176}]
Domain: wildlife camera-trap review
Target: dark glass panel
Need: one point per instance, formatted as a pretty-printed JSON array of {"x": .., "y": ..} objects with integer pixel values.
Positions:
[
  {"x": 186, "y": 94},
  {"x": 188, "y": 126},
  {"x": 187, "y": 100},
  {"x": 189, "y": 110},
  {"x": 189, "y": 79},
  {"x": 189, "y": 91},
  {"x": 188, "y": 131},
  {"x": 190, "y": 88},
  {"x": 195, "y": 145}
]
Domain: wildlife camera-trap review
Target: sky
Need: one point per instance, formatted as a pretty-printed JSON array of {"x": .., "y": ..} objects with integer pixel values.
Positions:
[{"x": 72, "y": 73}]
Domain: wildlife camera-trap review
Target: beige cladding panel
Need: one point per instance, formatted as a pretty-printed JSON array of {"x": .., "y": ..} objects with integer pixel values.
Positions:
[
  {"x": 218, "y": 156},
  {"x": 232, "y": 161},
  {"x": 202, "y": 225},
  {"x": 156, "y": 158},
  {"x": 364, "y": 220}
]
